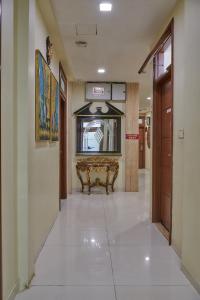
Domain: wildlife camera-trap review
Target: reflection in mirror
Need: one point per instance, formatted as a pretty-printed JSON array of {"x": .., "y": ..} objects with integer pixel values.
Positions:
[
  {"x": 98, "y": 132},
  {"x": 99, "y": 135},
  {"x": 96, "y": 135}
]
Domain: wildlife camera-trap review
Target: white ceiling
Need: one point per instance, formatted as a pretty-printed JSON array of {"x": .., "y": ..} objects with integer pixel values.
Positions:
[{"x": 123, "y": 40}]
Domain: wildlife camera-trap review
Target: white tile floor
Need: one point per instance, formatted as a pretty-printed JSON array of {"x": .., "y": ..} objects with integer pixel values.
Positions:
[{"x": 104, "y": 247}]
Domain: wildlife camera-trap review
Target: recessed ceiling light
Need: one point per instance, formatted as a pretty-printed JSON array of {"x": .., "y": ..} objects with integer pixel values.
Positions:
[
  {"x": 105, "y": 6},
  {"x": 101, "y": 71},
  {"x": 147, "y": 258},
  {"x": 148, "y": 98}
]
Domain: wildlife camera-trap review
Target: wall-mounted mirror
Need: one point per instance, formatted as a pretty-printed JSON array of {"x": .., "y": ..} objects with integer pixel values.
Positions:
[{"x": 98, "y": 133}]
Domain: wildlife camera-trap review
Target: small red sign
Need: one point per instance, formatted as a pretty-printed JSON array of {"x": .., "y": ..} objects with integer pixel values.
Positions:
[{"x": 132, "y": 136}]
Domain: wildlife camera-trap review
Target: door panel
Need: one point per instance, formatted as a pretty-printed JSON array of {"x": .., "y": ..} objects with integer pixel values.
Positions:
[
  {"x": 63, "y": 176},
  {"x": 166, "y": 123},
  {"x": 166, "y": 154},
  {"x": 162, "y": 149},
  {"x": 166, "y": 89}
]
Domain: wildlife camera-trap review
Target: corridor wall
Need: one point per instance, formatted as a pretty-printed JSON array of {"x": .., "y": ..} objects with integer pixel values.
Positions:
[
  {"x": 191, "y": 201},
  {"x": 30, "y": 170},
  {"x": 178, "y": 120},
  {"x": 8, "y": 153},
  {"x": 43, "y": 157},
  {"x": 186, "y": 164}
]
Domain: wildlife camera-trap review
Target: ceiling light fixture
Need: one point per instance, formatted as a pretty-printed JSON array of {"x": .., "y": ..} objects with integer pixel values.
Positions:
[
  {"x": 147, "y": 258},
  {"x": 101, "y": 71},
  {"x": 148, "y": 98},
  {"x": 105, "y": 6}
]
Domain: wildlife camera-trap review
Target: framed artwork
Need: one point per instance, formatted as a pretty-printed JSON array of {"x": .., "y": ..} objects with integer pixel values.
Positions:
[
  {"x": 98, "y": 91},
  {"x": 42, "y": 98},
  {"x": 54, "y": 126}
]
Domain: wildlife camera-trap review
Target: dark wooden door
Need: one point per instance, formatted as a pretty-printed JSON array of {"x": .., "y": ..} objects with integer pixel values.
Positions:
[
  {"x": 166, "y": 153},
  {"x": 63, "y": 151},
  {"x": 141, "y": 147}
]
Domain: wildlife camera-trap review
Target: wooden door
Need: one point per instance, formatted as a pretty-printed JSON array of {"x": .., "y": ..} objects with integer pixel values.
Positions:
[
  {"x": 166, "y": 153},
  {"x": 63, "y": 133},
  {"x": 141, "y": 147},
  {"x": 63, "y": 153},
  {"x": 162, "y": 172}
]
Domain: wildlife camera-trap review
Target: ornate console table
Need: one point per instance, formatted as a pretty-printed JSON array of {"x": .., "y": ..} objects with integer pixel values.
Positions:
[{"x": 89, "y": 168}]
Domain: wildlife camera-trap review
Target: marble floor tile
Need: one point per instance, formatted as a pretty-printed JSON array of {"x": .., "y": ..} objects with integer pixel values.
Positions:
[
  {"x": 60, "y": 265},
  {"x": 105, "y": 247},
  {"x": 68, "y": 293},
  {"x": 156, "y": 293}
]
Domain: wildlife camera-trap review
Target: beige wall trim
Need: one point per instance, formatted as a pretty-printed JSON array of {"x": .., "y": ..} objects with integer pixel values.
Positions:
[
  {"x": 13, "y": 292},
  {"x": 194, "y": 283},
  {"x": 131, "y": 157},
  {"x": 50, "y": 20}
]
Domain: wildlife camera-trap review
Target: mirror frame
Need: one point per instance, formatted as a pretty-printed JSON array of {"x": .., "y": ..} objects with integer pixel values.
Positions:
[
  {"x": 93, "y": 118},
  {"x": 84, "y": 113}
]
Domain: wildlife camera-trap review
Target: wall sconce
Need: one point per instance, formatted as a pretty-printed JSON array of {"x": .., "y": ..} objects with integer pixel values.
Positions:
[{"x": 49, "y": 50}]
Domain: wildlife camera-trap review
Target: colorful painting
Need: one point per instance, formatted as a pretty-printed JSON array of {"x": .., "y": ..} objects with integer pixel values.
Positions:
[
  {"x": 43, "y": 97},
  {"x": 54, "y": 109}
]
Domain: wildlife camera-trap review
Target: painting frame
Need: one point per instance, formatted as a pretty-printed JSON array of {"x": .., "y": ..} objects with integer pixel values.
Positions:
[
  {"x": 55, "y": 96},
  {"x": 42, "y": 98}
]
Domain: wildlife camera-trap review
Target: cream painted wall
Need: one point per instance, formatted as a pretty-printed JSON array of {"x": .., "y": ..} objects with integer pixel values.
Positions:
[
  {"x": 43, "y": 157},
  {"x": 9, "y": 220},
  {"x": 178, "y": 123},
  {"x": 78, "y": 96},
  {"x": 30, "y": 177},
  {"x": 186, "y": 164},
  {"x": 30, "y": 171},
  {"x": 21, "y": 96},
  {"x": 178, "y": 145},
  {"x": 191, "y": 201}
]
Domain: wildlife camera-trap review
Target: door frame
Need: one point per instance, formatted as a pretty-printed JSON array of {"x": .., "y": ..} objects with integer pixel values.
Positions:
[
  {"x": 156, "y": 147},
  {"x": 63, "y": 105}
]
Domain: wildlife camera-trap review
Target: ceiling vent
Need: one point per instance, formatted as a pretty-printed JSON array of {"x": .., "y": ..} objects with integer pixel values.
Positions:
[
  {"x": 86, "y": 29},
  {"x": 82, "y": 44}
]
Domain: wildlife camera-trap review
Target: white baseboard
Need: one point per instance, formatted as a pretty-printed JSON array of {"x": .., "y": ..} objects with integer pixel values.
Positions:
[{"x": 193, "y": 282}]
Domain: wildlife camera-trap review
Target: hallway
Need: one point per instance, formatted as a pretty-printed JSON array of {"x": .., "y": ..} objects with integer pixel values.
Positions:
[{"x": 104, "y": 247}]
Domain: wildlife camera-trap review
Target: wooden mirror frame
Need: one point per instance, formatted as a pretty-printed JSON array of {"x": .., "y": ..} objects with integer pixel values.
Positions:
[{"x": 84, "y": 113}]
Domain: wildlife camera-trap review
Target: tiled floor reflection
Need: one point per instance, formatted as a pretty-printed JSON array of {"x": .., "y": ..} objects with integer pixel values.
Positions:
[{"x": 104, "y": 247}]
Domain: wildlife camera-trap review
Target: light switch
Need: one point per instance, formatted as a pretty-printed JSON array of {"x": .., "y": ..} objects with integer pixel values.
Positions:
[{"x": 181, "y": 134}]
